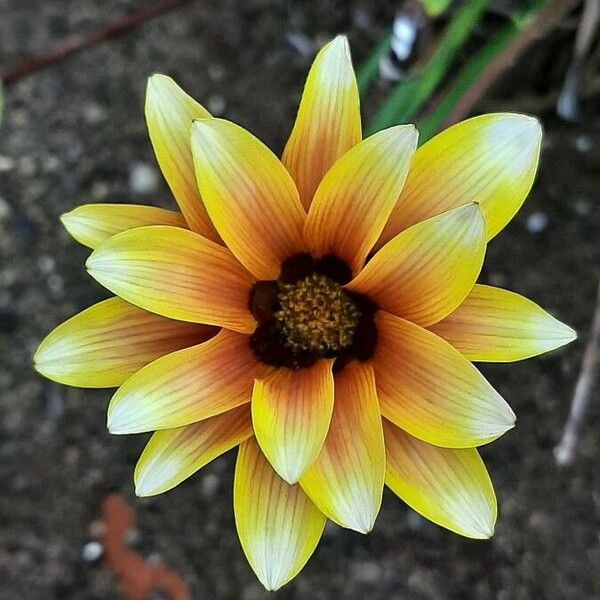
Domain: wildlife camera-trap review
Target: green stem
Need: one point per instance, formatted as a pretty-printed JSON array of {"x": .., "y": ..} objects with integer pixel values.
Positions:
[
  {"x": 409, "y": 96},
  {"x": 466, "y": 77}
]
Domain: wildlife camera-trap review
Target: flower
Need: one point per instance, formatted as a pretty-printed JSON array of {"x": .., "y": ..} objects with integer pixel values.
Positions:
[{"x": 292, "y": 304}]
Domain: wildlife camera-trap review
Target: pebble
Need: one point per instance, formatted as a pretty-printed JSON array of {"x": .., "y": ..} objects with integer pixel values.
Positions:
[
  {"x": 366, "y": 571},
  {"x": 6, "y": 164},
  {"x": 100, "y": 190},
  {"x": 91, "y": 552},
  {"x": 537, "y": 222},
  {"x": 27, "y": 166},
  {"x": 583, "y": 143},
  {"x": 143, "y": 179},
  {"x": 4, "y": 209},
  {"x": 216, "y": 72},
  {"x": 216, "y": 105},
  {"x": 209, "y": 484}
]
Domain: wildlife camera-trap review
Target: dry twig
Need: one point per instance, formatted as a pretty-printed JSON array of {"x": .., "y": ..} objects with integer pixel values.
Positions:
[
  {"x": 545, "y": 21},
  {"x": 565, "y": 451},
  {"x": 77, "y": 43}
]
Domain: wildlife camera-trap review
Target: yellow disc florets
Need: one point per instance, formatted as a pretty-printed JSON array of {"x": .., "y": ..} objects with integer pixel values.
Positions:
[{"x": 315, "y": 314}]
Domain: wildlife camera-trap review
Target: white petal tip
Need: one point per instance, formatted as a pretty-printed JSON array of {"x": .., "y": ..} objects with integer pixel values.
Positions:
[{"x": 481, "y": 531}]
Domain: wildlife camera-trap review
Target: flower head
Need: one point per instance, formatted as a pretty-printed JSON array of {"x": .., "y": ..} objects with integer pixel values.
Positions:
[{"x": 321, "y": 311}]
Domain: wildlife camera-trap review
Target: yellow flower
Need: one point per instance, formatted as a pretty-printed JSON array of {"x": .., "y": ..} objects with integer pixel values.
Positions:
[{"x": 294, "y": 303}]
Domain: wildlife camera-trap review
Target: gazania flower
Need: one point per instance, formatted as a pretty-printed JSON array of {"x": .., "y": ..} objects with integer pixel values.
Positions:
[{"x": 320, "y": 311}]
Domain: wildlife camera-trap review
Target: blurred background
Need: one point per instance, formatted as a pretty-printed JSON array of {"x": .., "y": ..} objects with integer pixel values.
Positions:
[{"x": 73, "y": 132}]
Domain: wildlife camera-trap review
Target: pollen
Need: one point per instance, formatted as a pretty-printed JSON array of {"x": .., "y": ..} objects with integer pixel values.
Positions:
[{"x": 316, "y": 315}]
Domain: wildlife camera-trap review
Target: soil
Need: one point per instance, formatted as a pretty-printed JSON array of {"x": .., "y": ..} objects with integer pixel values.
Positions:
[{"x": 75, "y": 133}]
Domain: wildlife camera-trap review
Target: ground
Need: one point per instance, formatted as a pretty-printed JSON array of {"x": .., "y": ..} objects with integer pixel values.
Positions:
[{"x": 74, "y": 134}]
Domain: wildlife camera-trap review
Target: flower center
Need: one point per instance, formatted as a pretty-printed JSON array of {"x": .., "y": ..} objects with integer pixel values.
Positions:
[
  {"x": 316, "y": 315},
  {"x": 306, "y": 315}
]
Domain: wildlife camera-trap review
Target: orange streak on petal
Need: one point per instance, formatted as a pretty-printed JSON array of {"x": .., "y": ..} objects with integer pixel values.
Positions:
[
  {"x": 431, "y": 390},
  {"x": 346, "y": 480},
  {"x": 448, "y": 486},
  {"x": 249, "y": 195},
  {"x": 495, "y": 325},
  {"x": 176, "y": 273},
  {"x": 278, "y": 526},
  {"x": 169, "y": 115},
  {"x": 92, "y": 224},
  {"x": 356, "y": 196},
  {"x": 187, "y": 386},
  {"x": 328, "y": 122},
  {"x": 109, "y": 341},
  {"x": 425, "y": 272},
  {"x": 291, "y": 412},
  {"x": 173, "y": 455}
]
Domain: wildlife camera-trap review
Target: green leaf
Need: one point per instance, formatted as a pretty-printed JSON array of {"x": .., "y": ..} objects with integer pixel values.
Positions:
[{"x": 409, "y": 96}]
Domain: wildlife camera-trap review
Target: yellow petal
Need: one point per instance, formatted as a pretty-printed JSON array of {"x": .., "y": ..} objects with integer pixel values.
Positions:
[
  {"x": 106, "y": 343},
  {"x": 346, "y": 480},
  {"x": 424, "y": 273},
  {"x": 249, "y": 195},
  {"x": 93, "y": 224},
  {"x": 328, "y": 121},
  {"x": 491, "y": 159},
  {"x": 278, "y": 526},
  {"x": 495, "y": 325},
  {"x": 173, "y": 455},
  {"x": 448, "y": 486},
  {"x": 169, "y": 115},
  {"x": 186, "y": 386},
  {"x": 291, "y": 412},
  {"x": 431, "y": 390},
  {"x": 357, "y": 195},
  {"x": 175, "y": 273}
]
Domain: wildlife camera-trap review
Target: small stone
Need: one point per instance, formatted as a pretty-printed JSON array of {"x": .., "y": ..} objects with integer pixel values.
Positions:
[
  {"x": 46, "y": 264},
  {"x": 253, "y": 592},
  {"x": 537, "y": 222},
  {"x": 209, "y": 484},
  {"x": 216, "y": 72},
  {"x": 583, "y": 207},
  {"x": 26, "y": 166},
  {"x": 96, "y": 529},
  {"x": 6, "y": 164},
  {"x": 94, "y": 113},
  {"x": 100, "y": 190},
  {"x": 4, "y": 209},
  {"x": 216, "y": 105},
  {"x": 366, "y": 571},
  {"x": 143, "y": 179},
  {"x": 91, "y": 552},
  {"x": 51, "y": 164},
  {"x": 583, "y": 143}
]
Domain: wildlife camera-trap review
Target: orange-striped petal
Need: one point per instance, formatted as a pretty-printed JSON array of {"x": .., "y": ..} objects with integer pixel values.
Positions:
[
  {"x": 173, "y": 455},
  {"x": 175, "y": 273},
  {"x": 186, "y": 386},
  {"x": 169, "y": 115},
  {"x": 346, "y": 480},
  {"x": 448, "y": 486},
  {"x": 249, "y": 195},
  {"x": 431, "y": 390},
  {"x": 106, "y": 343},
  {"x": 92, "y": 224},
  {"x": 291, "y": 412},
  {"x": 491, "y": 159},
  {"x": 495, "y": 325},
  {"x": 424, "y": 273},
  {"x": 278, "y": 526},
  {"x": 357, "y": 195},
  {"x": 328, "y": 121}
]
